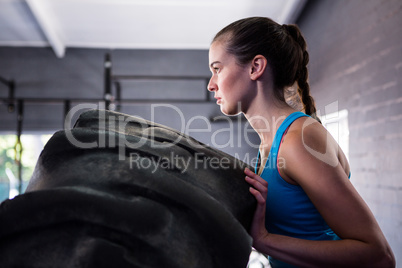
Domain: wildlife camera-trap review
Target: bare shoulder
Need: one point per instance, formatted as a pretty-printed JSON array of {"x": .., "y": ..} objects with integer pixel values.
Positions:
[
  {"x": 315, "y": 162},
  {"x": 309, "y": 145}
]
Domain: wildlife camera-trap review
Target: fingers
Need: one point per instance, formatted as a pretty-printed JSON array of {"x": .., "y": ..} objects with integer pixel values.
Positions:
[
  {"x": 259, "y": 186},
  {"x": 256, "y": 184},
  {"x": 254, "y": 176},
  {"x": 258, "y": 196},
  {"x": 256, "y": 181},
  {"x": 259, "y": 190}
]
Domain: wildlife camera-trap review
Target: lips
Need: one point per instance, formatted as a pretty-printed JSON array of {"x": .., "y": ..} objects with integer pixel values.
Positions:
[{"x": 218, "y": 100}]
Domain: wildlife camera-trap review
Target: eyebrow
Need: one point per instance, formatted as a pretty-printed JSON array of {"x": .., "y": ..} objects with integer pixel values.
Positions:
[{"x": 211, "y": 65}]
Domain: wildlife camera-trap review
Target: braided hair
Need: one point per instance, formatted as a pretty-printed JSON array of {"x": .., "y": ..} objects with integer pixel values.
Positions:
[{"x": 283, "y": 46}]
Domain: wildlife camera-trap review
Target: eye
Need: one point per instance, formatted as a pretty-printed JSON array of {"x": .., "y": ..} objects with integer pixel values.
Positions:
[{"x": 216, "y": 69}]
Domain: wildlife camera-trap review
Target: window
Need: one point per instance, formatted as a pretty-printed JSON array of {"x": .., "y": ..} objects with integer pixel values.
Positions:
[
  {"x": 32, "y": 145},
  {"x": 337, "y": 124}
]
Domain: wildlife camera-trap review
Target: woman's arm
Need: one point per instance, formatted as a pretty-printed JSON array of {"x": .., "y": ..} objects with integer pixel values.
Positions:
[{"x": 323, "y": 178}]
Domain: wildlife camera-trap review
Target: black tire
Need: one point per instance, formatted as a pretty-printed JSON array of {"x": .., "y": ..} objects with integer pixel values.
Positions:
[{"x": 96, "y": 207}]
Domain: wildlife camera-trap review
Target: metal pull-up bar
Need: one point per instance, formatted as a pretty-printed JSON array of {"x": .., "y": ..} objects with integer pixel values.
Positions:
[
  {"x": 110, "y": 78},
  {"x": 11, "y": 88},
  {"x": 111, "y": 82}
]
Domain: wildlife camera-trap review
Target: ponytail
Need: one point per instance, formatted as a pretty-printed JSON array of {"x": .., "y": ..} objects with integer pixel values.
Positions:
[{"x": 302, "y": 74}]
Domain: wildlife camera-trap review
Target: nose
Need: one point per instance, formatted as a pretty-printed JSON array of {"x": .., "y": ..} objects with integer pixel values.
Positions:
[{"x": 212, "y": 85}]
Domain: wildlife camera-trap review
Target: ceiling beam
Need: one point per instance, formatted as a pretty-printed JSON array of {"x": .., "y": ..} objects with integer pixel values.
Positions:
[{"x": 47, "y": 24}]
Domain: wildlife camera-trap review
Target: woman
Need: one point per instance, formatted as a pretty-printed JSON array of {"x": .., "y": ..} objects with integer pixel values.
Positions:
[{"x": 308, "y": 212}]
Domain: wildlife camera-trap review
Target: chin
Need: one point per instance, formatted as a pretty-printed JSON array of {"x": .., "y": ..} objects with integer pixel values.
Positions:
[{"x": 230, "y": 112}]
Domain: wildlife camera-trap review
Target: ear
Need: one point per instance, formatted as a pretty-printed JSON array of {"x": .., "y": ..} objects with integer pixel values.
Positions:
[{"x": 258, "y": 66}]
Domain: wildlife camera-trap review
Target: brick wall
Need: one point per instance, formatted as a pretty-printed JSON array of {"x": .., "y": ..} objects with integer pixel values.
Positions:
[{"x": 356, "y": 60}]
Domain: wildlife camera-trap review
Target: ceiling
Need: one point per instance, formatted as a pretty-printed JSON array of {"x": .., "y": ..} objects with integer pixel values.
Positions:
[{"x": 129, "y": 24}]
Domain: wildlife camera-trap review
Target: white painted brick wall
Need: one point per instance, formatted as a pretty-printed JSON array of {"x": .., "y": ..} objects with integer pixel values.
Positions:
[{"x": 356, "y": 59}]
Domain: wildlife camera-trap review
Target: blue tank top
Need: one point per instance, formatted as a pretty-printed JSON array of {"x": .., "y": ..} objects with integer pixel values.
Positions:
[{"x": 289, "y": 210}]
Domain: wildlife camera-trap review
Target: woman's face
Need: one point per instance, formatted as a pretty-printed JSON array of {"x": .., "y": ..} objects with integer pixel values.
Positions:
[{"x": 229, "y": 80}]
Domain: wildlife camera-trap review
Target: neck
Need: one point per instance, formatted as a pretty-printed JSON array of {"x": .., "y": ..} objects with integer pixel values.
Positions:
[{"x": 266, "y": 113}]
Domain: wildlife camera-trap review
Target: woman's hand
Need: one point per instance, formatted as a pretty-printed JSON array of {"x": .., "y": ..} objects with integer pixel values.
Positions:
[{"x": 260, "y": 190}]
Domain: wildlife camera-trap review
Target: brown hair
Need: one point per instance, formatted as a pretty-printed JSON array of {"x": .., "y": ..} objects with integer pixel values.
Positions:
[{"x": 282, "y": 45}]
